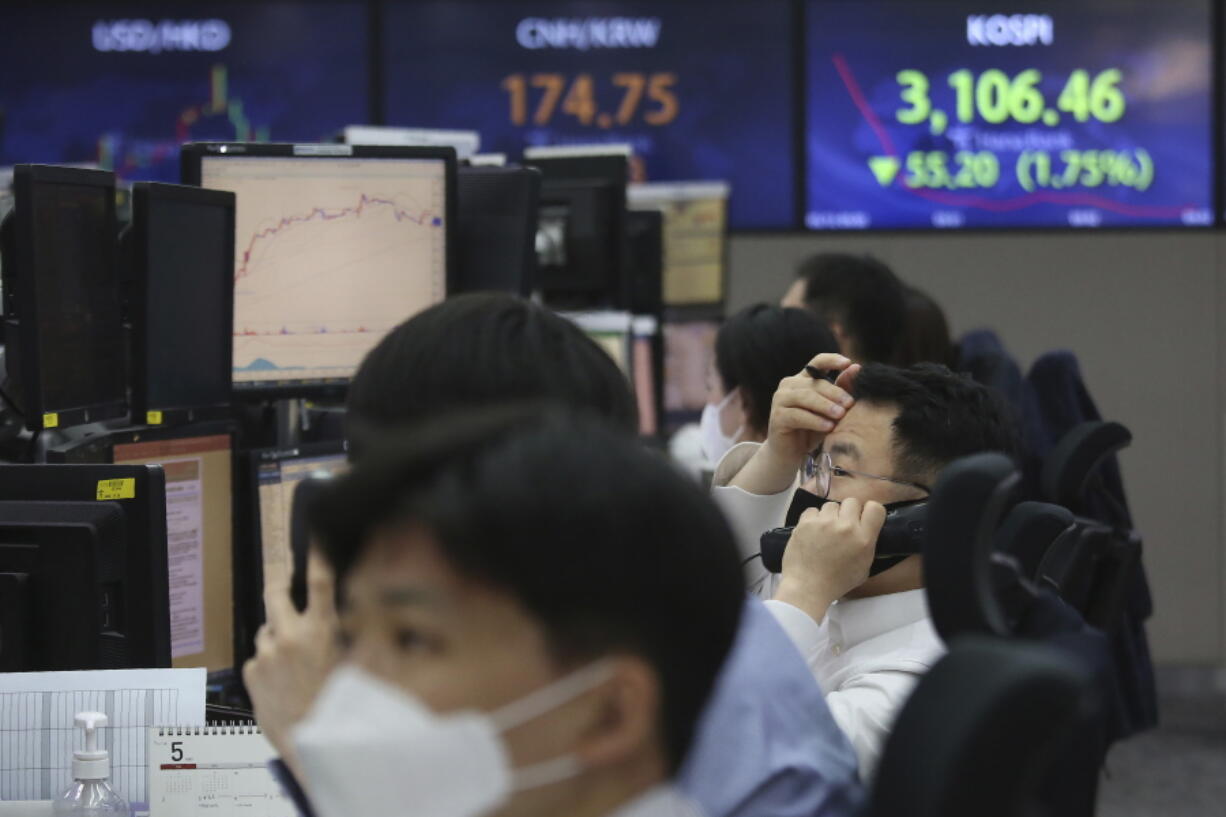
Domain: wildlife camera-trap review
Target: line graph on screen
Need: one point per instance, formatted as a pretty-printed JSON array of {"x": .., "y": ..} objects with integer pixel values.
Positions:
[{"x": 326, "y": 266}]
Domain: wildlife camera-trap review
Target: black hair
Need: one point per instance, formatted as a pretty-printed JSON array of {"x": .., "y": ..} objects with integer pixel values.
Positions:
[
  {"x": 602, "y": 541},
  {"x": 863, "y": 295},
  {"x": 926, "y": 338},
  {"x": 759, "y": 346},
  {"x": 941, "y": 416},
  {"x": 481, "y": 349}
]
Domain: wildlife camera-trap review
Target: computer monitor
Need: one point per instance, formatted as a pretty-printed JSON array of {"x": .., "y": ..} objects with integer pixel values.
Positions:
[
  {"x": 645, "y": 360},
  {"x": 16, "y": 634},
  {"x": 63, "y": 327},
  {"x": 645, "y": 261},
  {"x": 695, "y": 234},
  {"x": 632, "y": 342},
  {"x": 274, "y": 474},
  {"x": 581, "y": 241},
  {"x": 197, "y": 462},
  {"x": 497, "y": 220},
  {"x": 200, "y": 539},
  {"x": 689, "y": 353},
  {"x": 180, "y": 254},
  {"x": 334, "y": 246},
  {"x": 139, "y": 491},
  {"x": 64, "y": 561}
]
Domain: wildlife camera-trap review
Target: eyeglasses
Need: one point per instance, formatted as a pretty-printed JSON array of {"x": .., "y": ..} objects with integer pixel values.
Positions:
[{"x": 819, "y": 465}]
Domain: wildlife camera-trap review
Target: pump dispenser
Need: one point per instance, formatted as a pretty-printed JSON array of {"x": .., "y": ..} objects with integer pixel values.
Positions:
[{"x": 91, "y": 792}]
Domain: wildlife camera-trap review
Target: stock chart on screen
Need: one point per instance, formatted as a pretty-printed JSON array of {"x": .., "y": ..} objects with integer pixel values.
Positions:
[
  {"x": 330, "y": 254},
  {"x": 702, "y": 89},
  {"x": 943, "y": 113},
  {"x": 122, "y": 85}
]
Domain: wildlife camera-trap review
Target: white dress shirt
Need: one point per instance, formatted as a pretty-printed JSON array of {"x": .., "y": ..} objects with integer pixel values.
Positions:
[{"x": 867, "y": 654}]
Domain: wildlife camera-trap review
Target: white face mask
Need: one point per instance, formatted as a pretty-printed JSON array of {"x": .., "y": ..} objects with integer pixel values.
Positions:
[
  {"x": 369, "y": 748},
  {"x": 714, "y": 443}
]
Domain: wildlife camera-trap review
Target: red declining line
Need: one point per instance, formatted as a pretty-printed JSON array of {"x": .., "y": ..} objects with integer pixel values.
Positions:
[
  {"x": 999, "y": 206},
  {"x": 324, "y": 215}
]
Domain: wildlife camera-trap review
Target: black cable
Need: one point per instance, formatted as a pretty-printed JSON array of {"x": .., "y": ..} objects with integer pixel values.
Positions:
[{"x": 751, "y": 558}]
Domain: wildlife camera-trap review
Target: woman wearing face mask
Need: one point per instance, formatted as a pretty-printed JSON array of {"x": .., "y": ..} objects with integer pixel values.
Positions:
[{"x": 755, "y": 349}]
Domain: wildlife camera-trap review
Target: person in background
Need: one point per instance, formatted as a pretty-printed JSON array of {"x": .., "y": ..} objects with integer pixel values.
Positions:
[
  {"x": 755, "y": 349},
  {"x": 766, "y": 744},
  {"x": 493, "y": 667},
  {"x": 926, "y": 338},
  {"x": 877, "y": 437},
  {"x": 861, "y": 300}
]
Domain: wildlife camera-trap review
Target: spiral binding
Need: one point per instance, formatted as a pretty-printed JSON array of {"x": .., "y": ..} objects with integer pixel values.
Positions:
[{"x": 213, "y": 728}]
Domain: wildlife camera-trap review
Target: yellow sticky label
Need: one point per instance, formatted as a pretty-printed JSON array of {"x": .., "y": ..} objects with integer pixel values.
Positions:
[
  {"x": 111, "y": 489},
  {"x": 51, "y": 420},
  {"x": 153, "y": 418}
]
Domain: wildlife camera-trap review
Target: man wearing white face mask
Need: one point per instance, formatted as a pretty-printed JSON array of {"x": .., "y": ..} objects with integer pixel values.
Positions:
[
  {"x": 537, "y": 645},
  {"x": 754, "y": 350}
]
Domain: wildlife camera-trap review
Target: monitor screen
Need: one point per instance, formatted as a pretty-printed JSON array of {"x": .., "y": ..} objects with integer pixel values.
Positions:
[
  {"x": 617, "y": 345},
  {"x": 701, "y": 88},
  {"x": 199, "y": 549},
  {"x": 939, "y": 113},
  {"x": 330, "y": 254},
  {"x": 689, "y": 355},
  {"x": 276, "y": 478},
  {"x": 695, "y": 238},
  {"x": 123, "y": 84},
  {"x": 69, "y": 344},
  {"x": 182, "y": 346},
  {"x": 643, "y": 362}
]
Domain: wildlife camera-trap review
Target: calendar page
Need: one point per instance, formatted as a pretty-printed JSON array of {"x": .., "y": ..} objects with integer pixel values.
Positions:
[{"x": 211, "y": 770}]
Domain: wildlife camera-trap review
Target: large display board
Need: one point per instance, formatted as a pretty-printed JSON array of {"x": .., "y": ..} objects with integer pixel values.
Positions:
[
  {"x": 701, "y": 89},
  {"x": 122, "y": 85},
  {"x": 943, "y": 113}
]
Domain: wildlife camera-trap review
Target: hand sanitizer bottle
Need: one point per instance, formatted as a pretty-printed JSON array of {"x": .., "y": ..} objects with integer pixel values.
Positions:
[{"x": 91, "y": 793}]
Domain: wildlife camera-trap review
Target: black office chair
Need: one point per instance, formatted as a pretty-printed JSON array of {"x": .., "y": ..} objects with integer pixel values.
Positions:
[
  {"x": 973, "y": 590},
  {"x": 1030, "y": 530},
  {"x": 965, "y": 508},
  {"x": 1093, "y": 570},
  {"x": 980, "y": 732}
]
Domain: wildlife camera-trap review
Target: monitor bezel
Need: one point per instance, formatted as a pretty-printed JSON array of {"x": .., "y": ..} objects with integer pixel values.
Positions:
[
  {"x": 27, "y": 178},
  {"x": 145, "y": 196},
  {"x": 191, "y": 159}
]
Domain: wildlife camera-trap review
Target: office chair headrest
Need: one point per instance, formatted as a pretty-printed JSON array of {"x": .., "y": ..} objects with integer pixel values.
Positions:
[
  {"x": 1029, "y": 530},
  {"x": 966, "y": 506},
  {"x": 979, "y": 731},
  {"x": 1077, "y": 457}
]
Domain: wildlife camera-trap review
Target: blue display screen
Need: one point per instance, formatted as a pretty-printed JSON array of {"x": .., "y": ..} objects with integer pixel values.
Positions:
[
  {"x": 702, "y": 90},
  {"x": 123, "y": 84},
  {"x": 940, "y": 113}
]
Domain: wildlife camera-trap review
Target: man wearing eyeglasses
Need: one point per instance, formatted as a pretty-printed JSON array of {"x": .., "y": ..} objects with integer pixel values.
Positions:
[{"x": 842, "y": 454}]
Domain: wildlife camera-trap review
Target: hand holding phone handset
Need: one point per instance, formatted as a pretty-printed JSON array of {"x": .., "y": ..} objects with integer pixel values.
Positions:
[{"x": 902, "y": 535}]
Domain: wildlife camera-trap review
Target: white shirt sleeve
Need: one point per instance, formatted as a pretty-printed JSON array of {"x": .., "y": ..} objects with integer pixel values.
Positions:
[
  {"x": 801, "y": 629},
  {"x": 749, "y": 515},
  {"x": 865, "y": 708}
]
